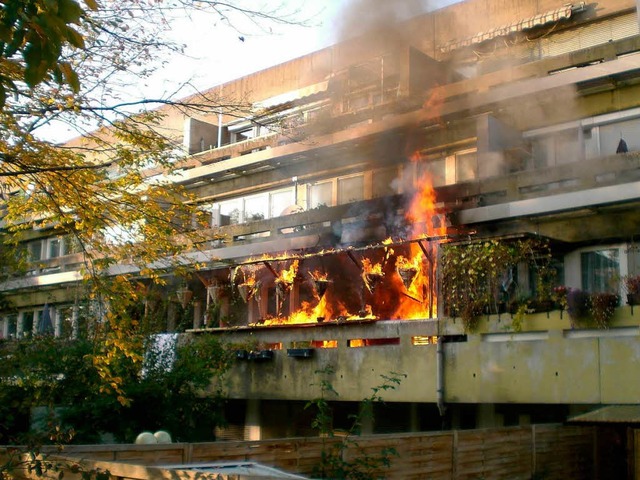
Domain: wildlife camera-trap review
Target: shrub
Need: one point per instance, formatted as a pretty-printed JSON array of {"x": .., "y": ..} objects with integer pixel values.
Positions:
[
  {"x": 602, "y": 308},
  {"x": 578, "y": 305}
]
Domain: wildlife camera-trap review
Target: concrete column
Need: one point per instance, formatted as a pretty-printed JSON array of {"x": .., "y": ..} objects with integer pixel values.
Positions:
[
  {"x": 172, "y": 314},
  {"x": 56, "y": 319},
  {"x": 366, "y": 420},
  {"x": 225, "y": 309},
  {"x": 4, "y": 327},
  {"x": 252, "y": 427},
  {"x": 197, "y": 314},
  {"x": 487, "y": 416},
  {"x": 20, "y": 326},
  {"x": 414, "y": 418},
  {"x": 75, "y": 326}
]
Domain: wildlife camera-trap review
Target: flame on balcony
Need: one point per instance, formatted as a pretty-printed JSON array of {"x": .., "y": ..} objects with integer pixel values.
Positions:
[
  {"x": 391, "y": 280},
  {"x": 372, "y": 274}
]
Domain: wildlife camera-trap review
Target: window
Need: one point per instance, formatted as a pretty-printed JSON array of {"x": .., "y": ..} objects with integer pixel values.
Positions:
[
  {"x": 71, "y": 245},
  {"x": 256, "y": 207},
  {"x": 321, "y": 194},
  {"x": 12, "y": 325},
  {"x": 436, "y": 169},
  {"x": 466, "y": 167},
  {"x": 600, "y": 270},
  {"x": 27, "y": 323},
  {"x": 54, "y": 247},
  {"x": 35, "y": 250},
  {"x": 385, "y": 182},
  {"x": 350, "y": 189},
  {"x": 231, "y": 209},
  {"x": 279, "y": 201}
]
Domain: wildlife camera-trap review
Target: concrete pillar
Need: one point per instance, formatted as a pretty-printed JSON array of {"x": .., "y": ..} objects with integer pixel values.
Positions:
[
  {"x": 414, "y": 417},
  {"x": 4, "y": 327},
  {"x": 225, "y": 309},
  {"x": 172, "y": 314},
  {"x": 252, "y": 427},
  {"x": 487, "y": 417},
  {"x": 56, "y": 319},
  {"x": 20, "y": 326},
  {"x": 367, "y": 419},
  {"x": 75, "y": 325},
  {"x": 197, "y": 314}
]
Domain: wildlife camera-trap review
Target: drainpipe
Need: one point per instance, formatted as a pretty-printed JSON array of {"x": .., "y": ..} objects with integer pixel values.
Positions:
[
  {"x": 440, "y": 377},
  {"x": 220, "y": 128}
]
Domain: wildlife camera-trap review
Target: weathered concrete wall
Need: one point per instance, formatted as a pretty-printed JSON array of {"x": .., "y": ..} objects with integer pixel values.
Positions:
[{"x": 548, "y": 362}]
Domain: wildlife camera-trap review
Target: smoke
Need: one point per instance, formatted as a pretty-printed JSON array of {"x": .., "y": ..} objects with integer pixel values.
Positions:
[{"x": 366, "y": 16}]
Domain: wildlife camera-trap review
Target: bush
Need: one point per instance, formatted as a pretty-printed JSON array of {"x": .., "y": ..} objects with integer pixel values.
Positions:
[
  {"x": 578, "y": 305},
  {"x": 602, "y": 308}
]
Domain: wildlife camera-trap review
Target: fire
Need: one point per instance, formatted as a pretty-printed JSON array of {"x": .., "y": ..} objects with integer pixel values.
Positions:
[
  {"x": 289, "y": 275},
  {"x": 371, "y": 274},
  {"x": 397, "y": 281}
]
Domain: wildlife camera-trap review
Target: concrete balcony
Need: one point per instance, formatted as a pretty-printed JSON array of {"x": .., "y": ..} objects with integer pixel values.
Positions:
[{"x": 549, "y": 361}]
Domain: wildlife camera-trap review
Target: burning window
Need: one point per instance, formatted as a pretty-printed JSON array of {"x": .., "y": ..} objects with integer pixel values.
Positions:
[
  {"x": 420, "y": 340},
  {"x": 372, "y": 342}
]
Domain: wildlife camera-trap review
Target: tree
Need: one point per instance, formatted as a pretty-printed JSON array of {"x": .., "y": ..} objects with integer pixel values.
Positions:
[{"x": 66, "y": 61}]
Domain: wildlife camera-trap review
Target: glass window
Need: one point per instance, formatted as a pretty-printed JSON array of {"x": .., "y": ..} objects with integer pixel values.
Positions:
[
  {"x": 466, "y": 167},
  {"x": 66, "y": 321},
  {"x": 600, "y": 271},
  {"x": 321, "y": 195},
  {"x": 256, "y": 207},
  {"x": 385, "y": 182},
  {"x": 54, "y": 248},
  {"x": 436, "y": 169},
  {"x": 247, "y": 134},
  {"x": 232, "y": 210},
  {"x": 350, "y": 189},
  {"x": 71, "y": 245},
  {"x": 280, "y": 201},
  {"x": 12, "y": 325},
  {"x": 35, "y": 251},
  {"x": 568, "y": 148},
  {"x": 27, "y": 323}
]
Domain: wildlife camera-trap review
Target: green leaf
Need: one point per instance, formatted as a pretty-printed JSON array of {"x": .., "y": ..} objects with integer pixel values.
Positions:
[
  {"x": 70, "y": 76},
  {"x": 75, "y": 38},
  {"x": 92, "y": 4},
  {"x": 69, "y": 11}
]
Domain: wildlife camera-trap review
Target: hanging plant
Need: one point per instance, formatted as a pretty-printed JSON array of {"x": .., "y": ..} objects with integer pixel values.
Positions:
[
  {"x": 481, "y": 277},
  {"x": 578, "y": 305},
  {"x": 602, "y": 308},
  {"x": 632, "y": 286}
]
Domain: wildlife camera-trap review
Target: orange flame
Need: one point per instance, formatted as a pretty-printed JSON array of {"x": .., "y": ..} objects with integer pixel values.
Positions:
[{"x": 289, "y": 275}]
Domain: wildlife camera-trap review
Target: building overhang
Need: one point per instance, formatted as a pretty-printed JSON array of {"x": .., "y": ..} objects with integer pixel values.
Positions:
[
  {"x": 550, "y": 204},
  {"x": 609, "y": 414}
]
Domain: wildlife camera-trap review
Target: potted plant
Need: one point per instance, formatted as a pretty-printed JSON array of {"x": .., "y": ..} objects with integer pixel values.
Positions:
[
  {"x": 632, "y": 285},
  {"x": 602, "y": 307},
  {"x": 578, "y": 305},
  {"x": 559, "y": 297}
]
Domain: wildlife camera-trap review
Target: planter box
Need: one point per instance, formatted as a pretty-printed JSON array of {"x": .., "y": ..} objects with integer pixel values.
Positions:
[
  {"x": 300, "y": 352},
  {"x": 261, "y": 355}
]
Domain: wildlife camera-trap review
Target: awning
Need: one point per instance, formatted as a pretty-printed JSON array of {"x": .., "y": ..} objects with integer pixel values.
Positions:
[
  {"x": 551, "y": 16},
  {"x": 293, "y": 95},
  {"x": 610, "y": 414}
]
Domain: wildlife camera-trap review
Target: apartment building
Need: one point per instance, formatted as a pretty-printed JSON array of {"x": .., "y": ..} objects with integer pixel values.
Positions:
[{"x": 331, "y": 204}]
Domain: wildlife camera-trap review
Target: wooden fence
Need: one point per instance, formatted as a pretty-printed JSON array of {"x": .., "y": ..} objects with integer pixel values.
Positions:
[{"x": 539, "y": 451}]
